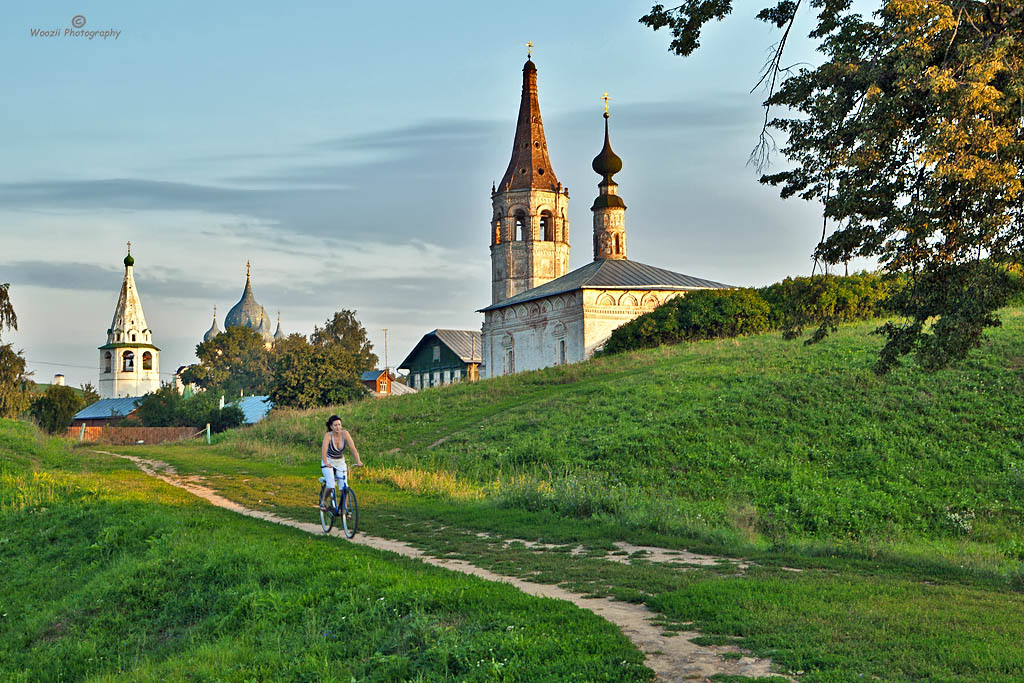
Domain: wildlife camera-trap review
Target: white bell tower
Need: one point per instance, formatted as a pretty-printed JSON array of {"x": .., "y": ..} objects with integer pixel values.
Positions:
[{"x": 129, "y": 362}]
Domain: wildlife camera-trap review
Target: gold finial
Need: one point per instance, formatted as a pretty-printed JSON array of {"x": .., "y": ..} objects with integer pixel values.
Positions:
[
  {"x": 246, "y": 270},
  {"x": 529, "y": 49},
  {"x": 215, "y": 312},
  {"x": 605, "y": 98},
  {"x": 279, "y": 317},
  {"x": 129, "y": 248}
]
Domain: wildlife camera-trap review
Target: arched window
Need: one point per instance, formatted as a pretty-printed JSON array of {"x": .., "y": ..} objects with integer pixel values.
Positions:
[
  {"x": 107, "y": 359},
  {"x": 147, "y": 361},
  {"x": 618, "y": 243},
  {"x": 520, "y": 232},
  {"x": 128, "y": 362},
  {"x": 133, "y": 336},
  {"x": 547, "y": 226},
  {"x": 561, "y": 352}
]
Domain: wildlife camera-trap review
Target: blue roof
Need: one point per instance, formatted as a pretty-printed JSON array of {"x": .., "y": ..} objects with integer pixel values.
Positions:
[
  {"x": 108, "y": 407},
  {"x": 371, "y": 375},
  {"x": 255, "y": 408}
]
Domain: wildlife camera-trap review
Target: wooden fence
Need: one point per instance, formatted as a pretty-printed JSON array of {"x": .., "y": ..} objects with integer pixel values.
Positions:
[{"x": 124, "y": 436}]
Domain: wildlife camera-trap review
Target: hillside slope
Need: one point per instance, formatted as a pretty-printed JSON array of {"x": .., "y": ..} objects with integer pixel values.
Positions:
[{"x": 758, "y": 435}]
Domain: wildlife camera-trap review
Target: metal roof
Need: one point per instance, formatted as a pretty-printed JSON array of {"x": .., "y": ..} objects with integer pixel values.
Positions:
[
  {"x": 463, "y": 343},
  {"x": 108, "y": 407},
  {"x": 371, "y": 375},
  {"x": 255, "y": 408},
  {"x": 611, "y": 274}
]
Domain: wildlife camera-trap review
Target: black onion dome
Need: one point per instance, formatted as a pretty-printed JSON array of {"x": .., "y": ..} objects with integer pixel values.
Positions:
[{"x": 607, "y": 163}]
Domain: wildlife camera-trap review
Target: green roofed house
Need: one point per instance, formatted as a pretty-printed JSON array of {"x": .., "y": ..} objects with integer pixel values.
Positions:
[{"x": 443, "y": 357}]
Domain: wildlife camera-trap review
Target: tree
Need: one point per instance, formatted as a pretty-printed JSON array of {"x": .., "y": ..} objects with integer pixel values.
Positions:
[
  {"x": 233, "y": 361},
  {"x": 53, "y": 410},
  {"x": 89, "y": 395},
  {"x": 7, "y": 317},
  {"x": 344, "y": 331},
  {"x": 161, "y": 408},
  {"x": 909, "y": 134},
  {"x": 15, "y": 385},
  {"x": 306, "y": 376}
]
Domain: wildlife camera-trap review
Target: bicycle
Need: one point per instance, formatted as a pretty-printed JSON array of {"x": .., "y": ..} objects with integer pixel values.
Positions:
[{"x": 348, "y": 511}]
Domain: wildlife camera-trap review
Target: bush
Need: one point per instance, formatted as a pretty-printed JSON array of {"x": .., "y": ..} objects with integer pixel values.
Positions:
[
  {"x": 790, "y": 305},
  {"x": 704, "y": 314},
  {"x": 166, "y": 408},
  {"x": 827, "y": 300}
]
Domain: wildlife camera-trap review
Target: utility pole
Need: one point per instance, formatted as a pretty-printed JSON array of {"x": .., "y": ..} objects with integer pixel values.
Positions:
[{"x": 386, "y": 351}]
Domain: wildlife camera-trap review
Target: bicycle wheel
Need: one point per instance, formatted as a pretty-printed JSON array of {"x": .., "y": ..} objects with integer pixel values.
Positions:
[
  {"x": 326, "y": 509},
  {"x": 349, "y": 512}
]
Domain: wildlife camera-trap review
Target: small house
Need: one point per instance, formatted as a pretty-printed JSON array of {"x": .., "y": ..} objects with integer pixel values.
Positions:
[
  {"x": 444, "y": 357},
  {"x": 106, "y": 411}
]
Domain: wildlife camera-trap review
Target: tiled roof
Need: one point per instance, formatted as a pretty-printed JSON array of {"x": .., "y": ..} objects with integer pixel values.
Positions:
[
  {"x": 611, "y": 274},
  {"x": 463, "y": 343},
  {"x": 108, "y": 407}
]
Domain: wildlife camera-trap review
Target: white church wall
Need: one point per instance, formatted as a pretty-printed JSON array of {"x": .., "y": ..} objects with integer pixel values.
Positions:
[
  {"x": 533, "y": 332},
  {"x": 584, "y": 320}
]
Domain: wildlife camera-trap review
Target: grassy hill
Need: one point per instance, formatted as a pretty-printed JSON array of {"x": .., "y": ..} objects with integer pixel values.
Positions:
[
  {"x": 882, "y": 517},
  {"x": 755, "y": 439}
]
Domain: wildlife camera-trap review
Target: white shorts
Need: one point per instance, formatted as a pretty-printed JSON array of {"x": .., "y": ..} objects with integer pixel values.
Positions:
[{"x": 339, "y": 471}]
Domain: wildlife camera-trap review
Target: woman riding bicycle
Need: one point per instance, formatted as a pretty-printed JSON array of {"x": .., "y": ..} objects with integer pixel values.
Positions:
[{"x": 332, "y": 452}]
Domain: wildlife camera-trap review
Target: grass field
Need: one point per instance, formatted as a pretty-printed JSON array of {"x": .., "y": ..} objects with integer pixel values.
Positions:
[
  {"x": 108, "y": 573},
  {"x": 883, "y": 515}
]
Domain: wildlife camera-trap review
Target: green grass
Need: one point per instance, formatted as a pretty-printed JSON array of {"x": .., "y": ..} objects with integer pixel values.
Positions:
[
  {"x": 898, "y": 498},
  {"x": 755, "y": 439},
  {"x": 109, "y": 572}
]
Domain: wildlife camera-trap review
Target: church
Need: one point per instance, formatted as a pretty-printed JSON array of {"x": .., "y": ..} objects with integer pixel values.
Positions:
[
  {"x": 247, "y": 312},
  {"x": 541, "y": 314},
  {"x": 129, "y": 361}
]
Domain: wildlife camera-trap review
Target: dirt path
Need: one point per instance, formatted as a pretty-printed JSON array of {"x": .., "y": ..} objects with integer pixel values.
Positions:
[{"x": 673, "y": 658}]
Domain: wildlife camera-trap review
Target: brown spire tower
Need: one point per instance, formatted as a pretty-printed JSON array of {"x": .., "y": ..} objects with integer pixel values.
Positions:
[{"x": 530, "y": 227}]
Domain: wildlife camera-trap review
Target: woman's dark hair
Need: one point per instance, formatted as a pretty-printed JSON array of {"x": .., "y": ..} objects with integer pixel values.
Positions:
[{"x": 330, "y": 420}]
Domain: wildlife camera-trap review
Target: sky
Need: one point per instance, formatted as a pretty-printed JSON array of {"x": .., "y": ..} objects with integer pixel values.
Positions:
[{"x": 348, "y": 151}]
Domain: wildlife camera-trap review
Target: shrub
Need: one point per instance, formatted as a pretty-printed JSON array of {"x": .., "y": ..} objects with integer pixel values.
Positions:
[
  {"x": 704, "y": 314},
  {"x": 790, "y": 305},
  {"x": 827, "y": 300}
]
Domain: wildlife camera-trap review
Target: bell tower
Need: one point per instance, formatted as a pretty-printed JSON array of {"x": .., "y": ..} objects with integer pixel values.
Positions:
[
  {"x": 609, "y": 209},
  {"x": 529, "y": 224},
  {"x": 129, "y": 362}
]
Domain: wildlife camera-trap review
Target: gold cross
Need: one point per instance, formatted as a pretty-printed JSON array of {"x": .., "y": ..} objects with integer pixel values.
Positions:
[
  {"x": 129, "y": 247},
  {"x": 246, "y": 270},
  {"x": 605, "y": 98},
  {"x": 529, "y": 49}
]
